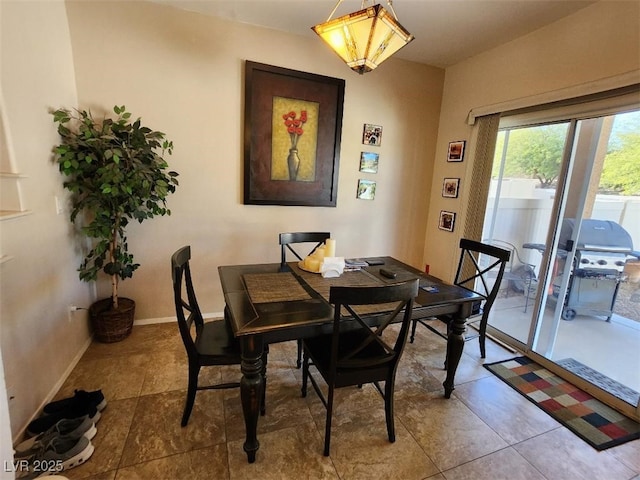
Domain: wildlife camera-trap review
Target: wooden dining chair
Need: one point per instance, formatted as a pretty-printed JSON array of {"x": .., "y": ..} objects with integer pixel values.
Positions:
[
  {"x": 207, "y": 343},
  {"x": 288, "y": 243},
  {"x": 356, "y": 353},
  {"x": 288, "y": 240},
  {"x": 480, "y": 270}
]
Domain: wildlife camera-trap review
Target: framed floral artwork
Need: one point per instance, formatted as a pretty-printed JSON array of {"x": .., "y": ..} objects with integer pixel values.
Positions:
[
  {"x": 456, "y": 151},
  {"x": 372, "y": 135},
  {"x": 369, "y": 162},
  {"x": 450, "y": 187},
  {"x": 366, "y": 189},
  {"x": 447, "y": 220},
  {"x": 292, "y": 132}
]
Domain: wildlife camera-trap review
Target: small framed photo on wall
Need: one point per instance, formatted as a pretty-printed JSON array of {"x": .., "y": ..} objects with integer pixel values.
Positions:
[
  {"x": 369, "y": 162},
  {"x": 366, "y": 189},
  {"x": 456, "y": 151},
  {"x": 447, "y": 220},
  {"x": 372, "y": 135},
  {"x": 450, "y": 187}
]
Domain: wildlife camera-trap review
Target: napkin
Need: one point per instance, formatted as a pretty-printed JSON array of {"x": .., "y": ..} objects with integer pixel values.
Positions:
[{"x": 332, "y": 267}]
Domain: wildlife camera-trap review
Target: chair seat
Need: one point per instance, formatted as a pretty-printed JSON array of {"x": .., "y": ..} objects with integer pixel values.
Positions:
[
  {"x": 215, "y": 340},
  {"x": 319, "y": 349}
]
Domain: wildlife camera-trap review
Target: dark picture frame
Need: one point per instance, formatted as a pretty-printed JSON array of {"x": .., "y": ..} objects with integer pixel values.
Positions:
[
  {"x": 447, "y": 220},
  {"x": 369, "y": 162},
  {"x": 450, "y": 187},
  {"x": 292, "y": 133},
  {"x": 372, "y": 135},
  {"x": 456, "y": 151},
  {"x": 366, "y": 189}
]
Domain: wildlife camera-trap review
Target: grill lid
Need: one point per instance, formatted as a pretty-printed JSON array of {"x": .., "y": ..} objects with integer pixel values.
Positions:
[{"x": 603, "y": 235}]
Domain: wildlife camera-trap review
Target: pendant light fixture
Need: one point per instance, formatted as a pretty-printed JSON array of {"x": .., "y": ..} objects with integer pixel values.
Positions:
[{"x": 366, "y": 38}]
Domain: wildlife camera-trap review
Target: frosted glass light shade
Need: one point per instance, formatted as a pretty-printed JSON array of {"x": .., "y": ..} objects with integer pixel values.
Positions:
[{"x": 364, "y": 39}]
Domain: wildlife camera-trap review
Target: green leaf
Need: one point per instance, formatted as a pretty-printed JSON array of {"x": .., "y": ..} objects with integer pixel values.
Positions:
[{"x": 116, "y": 173}]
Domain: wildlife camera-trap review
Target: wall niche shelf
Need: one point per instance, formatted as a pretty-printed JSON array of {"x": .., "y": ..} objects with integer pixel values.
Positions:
[{"x": 10, "y": 204}]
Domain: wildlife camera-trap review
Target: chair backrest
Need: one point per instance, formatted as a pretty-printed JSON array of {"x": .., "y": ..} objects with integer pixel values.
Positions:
[
  {"x": 518, "y": 273},
  {"x": 481, "y": 276},
  {"x": 510, "y": 264},
  {"x": 187, "y": 309},
  {"x": 368, "y": 347},
  {"x": 289, "y": 239}
]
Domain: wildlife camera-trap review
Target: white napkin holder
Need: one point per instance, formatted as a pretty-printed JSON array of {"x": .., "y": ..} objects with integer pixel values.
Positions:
[{"x": 332, "y": 267}]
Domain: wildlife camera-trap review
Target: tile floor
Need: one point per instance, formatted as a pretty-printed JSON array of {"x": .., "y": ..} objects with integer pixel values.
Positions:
[{"x": 485, "y": 431}]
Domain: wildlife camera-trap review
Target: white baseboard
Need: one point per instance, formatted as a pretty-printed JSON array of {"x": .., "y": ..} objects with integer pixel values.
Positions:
[{"x": 151, "y": 321}]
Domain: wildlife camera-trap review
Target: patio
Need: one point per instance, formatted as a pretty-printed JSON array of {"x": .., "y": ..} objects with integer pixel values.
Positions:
[{"x": 610, "y": 348}]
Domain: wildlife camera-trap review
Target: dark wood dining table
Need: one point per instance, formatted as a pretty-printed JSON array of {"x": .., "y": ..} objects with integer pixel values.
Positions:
[{"x": 267, "y": 303}]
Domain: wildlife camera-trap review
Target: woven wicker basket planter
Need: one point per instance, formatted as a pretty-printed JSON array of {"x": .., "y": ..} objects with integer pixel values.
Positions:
[{"x": 111, "y": 326}]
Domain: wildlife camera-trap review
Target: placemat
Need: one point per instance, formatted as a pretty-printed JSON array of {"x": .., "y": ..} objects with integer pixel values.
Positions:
[
  {"x": 274, "y": 287},
  {"x": 596, "y": 423}
]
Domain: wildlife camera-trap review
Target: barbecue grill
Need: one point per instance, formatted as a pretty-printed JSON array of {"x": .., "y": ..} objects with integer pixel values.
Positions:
[{"x": 601, "y": 252}]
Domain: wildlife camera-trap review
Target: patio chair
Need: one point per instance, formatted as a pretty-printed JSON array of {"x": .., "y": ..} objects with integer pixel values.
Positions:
[{"x": 519, "y": 275}]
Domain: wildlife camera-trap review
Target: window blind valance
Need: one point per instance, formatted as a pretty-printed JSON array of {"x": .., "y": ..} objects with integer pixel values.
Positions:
[{"x": 610, "y": 92}]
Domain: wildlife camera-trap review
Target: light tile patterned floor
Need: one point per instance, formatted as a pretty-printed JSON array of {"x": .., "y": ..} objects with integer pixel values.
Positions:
[{"x": 485, "y": 431}]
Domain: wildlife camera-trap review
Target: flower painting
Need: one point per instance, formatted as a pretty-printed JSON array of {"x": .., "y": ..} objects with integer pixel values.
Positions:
[
  {"x": 293, "y": 146},
  {"x": 292, "y": 133}
]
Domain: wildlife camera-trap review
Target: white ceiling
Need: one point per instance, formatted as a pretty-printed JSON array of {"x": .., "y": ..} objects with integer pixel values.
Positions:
[{"x": 446, "y": 31}]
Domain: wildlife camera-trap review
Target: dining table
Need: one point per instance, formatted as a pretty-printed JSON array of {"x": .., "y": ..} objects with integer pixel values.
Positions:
[{"x": 272, "y": 302}]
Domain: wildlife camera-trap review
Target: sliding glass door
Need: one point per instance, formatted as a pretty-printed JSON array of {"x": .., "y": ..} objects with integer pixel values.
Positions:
[
  {"x": 520, "y": 213},
  {"x": 565, "y": 199}
]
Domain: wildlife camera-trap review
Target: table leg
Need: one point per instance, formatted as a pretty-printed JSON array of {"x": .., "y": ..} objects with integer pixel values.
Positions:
[
  {"x": 251, "y": 388},
  {"x": 455, "y": 345}
]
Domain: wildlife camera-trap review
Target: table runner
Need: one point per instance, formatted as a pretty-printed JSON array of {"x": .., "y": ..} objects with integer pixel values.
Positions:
[
  {"x": 322, "y": 285},
  {"x": 357, "y": 278},
  {"x": 274, "y": 287}
]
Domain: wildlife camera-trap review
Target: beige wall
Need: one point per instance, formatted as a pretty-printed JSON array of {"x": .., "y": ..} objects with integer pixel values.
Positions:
[
  {"x": 600, "y": 41},
  {"x": 37, "y": 340},
  {"x": 182, "y": 73}
]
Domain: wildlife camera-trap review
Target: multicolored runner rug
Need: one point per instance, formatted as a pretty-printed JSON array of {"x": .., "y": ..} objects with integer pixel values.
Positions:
[{"x": 596, "y": 423}]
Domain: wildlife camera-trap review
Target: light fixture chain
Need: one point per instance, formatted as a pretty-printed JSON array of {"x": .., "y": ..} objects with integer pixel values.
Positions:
[
  {"x": 390, "y": 3},
  {"x": 334, "y": 10}
]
